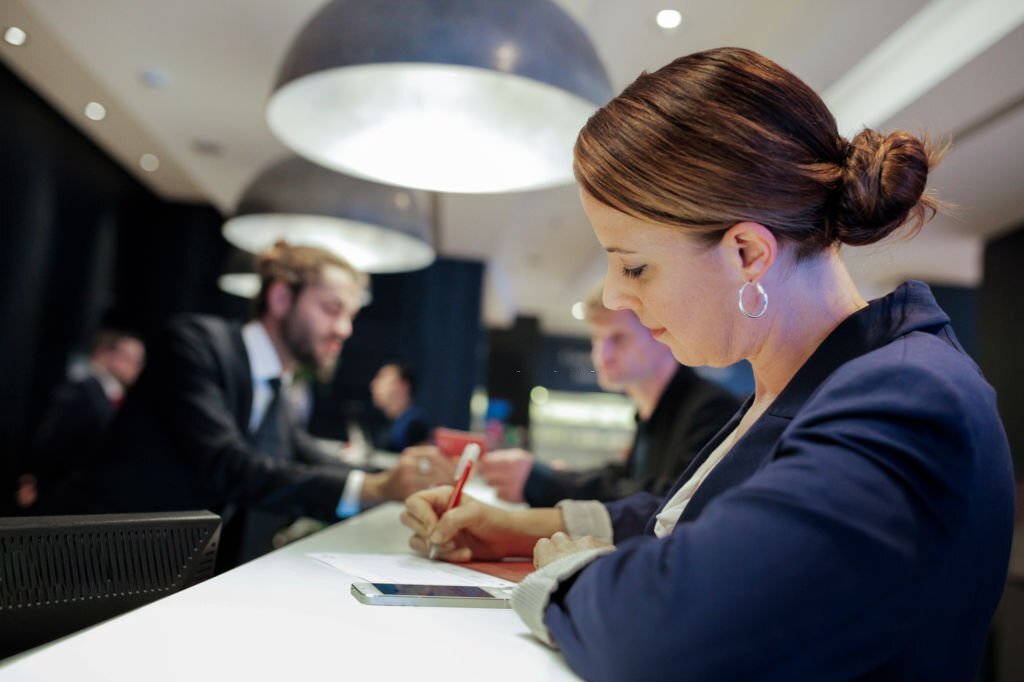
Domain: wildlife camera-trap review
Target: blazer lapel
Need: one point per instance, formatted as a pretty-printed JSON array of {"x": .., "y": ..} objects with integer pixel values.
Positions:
[{"x": 229, "y": 348}]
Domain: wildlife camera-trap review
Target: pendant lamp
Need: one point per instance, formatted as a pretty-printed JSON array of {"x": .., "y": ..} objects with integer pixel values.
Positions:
[
  {"x": 378, "y": 228},
  {"x": 239, "y": 276},
  {"x": 443, "y": 95}
]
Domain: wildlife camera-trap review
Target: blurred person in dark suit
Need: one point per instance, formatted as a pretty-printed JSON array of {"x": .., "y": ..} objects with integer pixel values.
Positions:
[
  {"x": 677, "y": 412},
  {"x": 392, "y": 391},
  {"x": 208, "y": 427},
  {"x": 76, "y": 420}
]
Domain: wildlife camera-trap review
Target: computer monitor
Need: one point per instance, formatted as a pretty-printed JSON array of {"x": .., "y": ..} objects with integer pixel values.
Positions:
[{"x": 59, "y": 574}]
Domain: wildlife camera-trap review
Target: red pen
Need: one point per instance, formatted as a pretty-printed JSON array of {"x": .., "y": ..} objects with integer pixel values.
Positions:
[{"x": 462, "y": 472}]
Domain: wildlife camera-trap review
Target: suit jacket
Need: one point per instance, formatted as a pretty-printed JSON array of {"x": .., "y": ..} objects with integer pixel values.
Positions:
[
  {"x": 72, "y": 431},
  {"x": 412, "y": 427},
  {"x": 689, "y": 412},
  {"x": 859, "y": 530},
  {"x": 180, "y": 440}
]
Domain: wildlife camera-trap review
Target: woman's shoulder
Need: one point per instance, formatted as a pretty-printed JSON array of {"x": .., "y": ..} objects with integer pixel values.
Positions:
[{"x": 921, "y": 373}]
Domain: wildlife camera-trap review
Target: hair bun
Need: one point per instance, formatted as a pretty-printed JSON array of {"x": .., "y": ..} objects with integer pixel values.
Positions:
[{"x": 883, "y": 187}]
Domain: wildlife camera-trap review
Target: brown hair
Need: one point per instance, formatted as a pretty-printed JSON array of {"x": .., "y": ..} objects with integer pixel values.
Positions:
[
  {"x": 723, "y": 136},
  {"x": 298, "y": 267}
]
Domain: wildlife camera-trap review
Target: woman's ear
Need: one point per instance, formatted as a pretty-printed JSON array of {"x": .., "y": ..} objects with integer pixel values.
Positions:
[
  {"x": 279, "y": 299},
  {"x": 751, "y": 249}
]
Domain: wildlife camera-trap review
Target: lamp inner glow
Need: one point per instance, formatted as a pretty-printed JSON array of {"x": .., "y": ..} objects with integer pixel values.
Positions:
[
  {"x": 432, "y": 126},
  {"x": 366, "y": 246},
  {"x": 244, "y": 284}
]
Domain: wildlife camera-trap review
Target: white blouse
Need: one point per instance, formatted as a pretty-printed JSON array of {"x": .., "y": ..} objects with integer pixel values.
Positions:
[{"x": 673, "y": 509}]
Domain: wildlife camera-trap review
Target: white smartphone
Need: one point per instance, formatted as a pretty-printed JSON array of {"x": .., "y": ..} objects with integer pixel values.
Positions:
[{"x": 392, "y": 594}]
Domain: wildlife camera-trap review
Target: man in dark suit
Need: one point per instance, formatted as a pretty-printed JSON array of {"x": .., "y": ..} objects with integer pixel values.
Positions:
[
  {"x": 677, "y": 413},
  {"x": 207, "y": 426},
  {"x": 75, "y": 423}
]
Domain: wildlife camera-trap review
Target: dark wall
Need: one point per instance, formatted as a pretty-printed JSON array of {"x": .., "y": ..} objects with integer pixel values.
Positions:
[
  {"x": 81, "y": 236},
  {"x": 512, "y": 368},
  {"x": 1001, "y": 334},
  {"x": 961, "y": 304},
  {"x": 563, "y": 364}
]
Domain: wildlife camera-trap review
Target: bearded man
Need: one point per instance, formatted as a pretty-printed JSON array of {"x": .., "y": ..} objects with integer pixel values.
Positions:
[{"x": 207, "y": 426}]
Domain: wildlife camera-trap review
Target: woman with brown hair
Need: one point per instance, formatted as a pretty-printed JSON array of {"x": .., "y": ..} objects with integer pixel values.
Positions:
[{"x": 853, "y": 520}]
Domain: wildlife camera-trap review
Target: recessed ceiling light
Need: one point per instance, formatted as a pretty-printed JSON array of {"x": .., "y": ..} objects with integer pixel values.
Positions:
[
  {"x": 577, "y": 310},
  {"x": 149, "y": 162},
  {"x": 15, "y": 36},
  {"x": 95, "y": 111},
  {"x": 669, "y": 18}
]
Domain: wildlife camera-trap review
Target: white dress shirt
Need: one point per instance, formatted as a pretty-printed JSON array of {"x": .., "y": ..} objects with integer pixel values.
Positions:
[{"x": 264, "y": 365}]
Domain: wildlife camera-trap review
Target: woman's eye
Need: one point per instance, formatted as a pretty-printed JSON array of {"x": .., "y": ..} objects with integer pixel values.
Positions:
[{"x": 633, "y": 273}]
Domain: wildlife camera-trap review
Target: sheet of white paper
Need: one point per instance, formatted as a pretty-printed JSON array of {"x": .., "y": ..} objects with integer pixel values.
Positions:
[{"x": 406, "y": 568}]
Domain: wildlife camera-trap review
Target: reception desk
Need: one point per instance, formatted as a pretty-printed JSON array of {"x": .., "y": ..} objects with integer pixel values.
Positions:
[{"x": 288, "y": 617}]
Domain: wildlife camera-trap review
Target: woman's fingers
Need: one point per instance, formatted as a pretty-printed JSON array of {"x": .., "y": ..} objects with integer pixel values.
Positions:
[
  {"x": 414, "y": 524},
  {"x": 558, "y": 545},
  {"x": 424, "y": 506}
]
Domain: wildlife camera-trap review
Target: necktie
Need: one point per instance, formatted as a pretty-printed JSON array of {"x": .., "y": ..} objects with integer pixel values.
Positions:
[
  {"x": 254, "y": 525},
  {"x": 272, "y": 436}
]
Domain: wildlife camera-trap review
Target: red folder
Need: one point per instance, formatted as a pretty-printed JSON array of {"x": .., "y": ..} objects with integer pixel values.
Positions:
[{"x": 512, "y": 570}]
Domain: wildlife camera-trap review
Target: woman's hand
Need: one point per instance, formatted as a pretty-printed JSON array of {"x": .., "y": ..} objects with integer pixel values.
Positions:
[
  {"x": 473, "y": 530},
  {"x": 559, "y": 545}
]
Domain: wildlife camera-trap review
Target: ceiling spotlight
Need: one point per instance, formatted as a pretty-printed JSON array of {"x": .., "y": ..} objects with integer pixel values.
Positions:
[
  {"x": 15, "y": 36},
  {"x": 577, "y": 310},
  {"x": 458, "y": 96},
  {"x": 669, "y": 19},
  {"x": 95, "y": 111},
  {"x": 149, "y": 162}
]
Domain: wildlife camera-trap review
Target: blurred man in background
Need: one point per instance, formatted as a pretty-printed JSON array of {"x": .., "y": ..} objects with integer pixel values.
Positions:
[
  {"x": 75, "y": 423},
  {"x": 677, "y": 413},
  {"x": 392, "y": 391},
  {"x": 208, "y": 426}
]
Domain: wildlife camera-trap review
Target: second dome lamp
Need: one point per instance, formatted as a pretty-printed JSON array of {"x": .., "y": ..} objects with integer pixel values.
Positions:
[{"x": 445, "y": 95}]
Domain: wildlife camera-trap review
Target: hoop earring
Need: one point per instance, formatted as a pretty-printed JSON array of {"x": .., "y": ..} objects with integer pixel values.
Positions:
[{"x": 764, "y": 300}]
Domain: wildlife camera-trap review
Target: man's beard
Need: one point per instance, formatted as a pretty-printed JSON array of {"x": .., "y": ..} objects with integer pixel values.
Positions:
[{"x": 299, "y": 341}]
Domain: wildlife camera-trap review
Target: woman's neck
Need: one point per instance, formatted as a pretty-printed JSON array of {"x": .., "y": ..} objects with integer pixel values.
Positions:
[{"x": 813, "y": 299}]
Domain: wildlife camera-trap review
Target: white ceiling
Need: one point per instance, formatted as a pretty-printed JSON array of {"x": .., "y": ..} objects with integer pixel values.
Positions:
[{"x": 217, "y": 61}]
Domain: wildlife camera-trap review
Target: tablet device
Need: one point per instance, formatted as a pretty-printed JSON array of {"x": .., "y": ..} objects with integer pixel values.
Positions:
[{"x": 393, "y": 594}]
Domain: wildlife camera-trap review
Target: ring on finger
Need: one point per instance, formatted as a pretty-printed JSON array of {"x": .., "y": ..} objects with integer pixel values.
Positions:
[{"x": 423, "y": 466}]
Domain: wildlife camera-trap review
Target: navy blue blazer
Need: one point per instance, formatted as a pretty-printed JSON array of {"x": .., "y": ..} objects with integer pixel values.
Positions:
[{"x": 859, "y": 530}]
